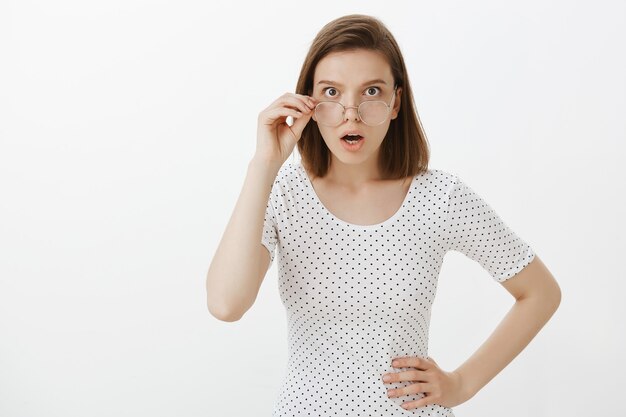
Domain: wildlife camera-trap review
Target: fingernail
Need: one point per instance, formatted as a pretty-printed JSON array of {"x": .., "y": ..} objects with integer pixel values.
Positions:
[
  {"x": 395, "y": 363},
  {"x": 386, "y": 378}
]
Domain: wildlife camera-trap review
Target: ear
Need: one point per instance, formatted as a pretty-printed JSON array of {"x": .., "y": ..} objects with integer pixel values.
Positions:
[{"x": 396, "y": 104}]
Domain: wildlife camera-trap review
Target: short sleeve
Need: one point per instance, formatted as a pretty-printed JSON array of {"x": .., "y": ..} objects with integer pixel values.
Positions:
[
  {"x": 270, "y": 234},
  {"x": 475, "y": 229}
]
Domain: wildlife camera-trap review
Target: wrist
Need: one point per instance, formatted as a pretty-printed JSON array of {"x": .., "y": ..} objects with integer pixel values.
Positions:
[
  {"x": 265, "y": 163},
  {"x": 465, "y": 386}
]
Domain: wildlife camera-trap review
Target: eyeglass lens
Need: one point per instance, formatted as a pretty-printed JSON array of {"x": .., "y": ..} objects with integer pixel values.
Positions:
[{"x": 372, "y": 112}]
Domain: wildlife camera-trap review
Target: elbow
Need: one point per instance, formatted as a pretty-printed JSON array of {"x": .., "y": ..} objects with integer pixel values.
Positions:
[
  {"x": 552, "y": 299},
  {"x": 549, "y": 300},
  {"x": 557, "y": 297},
  {"x": 223, "y": 314},
  {"x": 221, "y": 310},
  {"x": 216, "y": 305},
  {"x": 553, "y": 295},
  {"x": 222, "y": 306}
]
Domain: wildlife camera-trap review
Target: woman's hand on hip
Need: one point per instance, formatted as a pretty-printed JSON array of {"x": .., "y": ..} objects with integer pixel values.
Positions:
[{"x": 440, "y": 387}]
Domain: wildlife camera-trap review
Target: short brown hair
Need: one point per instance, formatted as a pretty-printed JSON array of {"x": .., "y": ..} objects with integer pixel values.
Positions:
[{"x": 404, "y": 151}]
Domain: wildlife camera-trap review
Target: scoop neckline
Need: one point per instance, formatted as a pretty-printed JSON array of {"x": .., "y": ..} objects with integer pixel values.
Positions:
[{"x": 384, "y": 223}]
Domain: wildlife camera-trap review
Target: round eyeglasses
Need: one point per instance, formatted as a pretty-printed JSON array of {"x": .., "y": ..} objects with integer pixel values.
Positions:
[{"x": 372, "y": 112}]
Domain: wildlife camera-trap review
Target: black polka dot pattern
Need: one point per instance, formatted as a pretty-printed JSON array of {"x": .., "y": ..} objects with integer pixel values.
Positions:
[
  {"x": 476, "y": 230},
  {"x": 357, "y": 296}
]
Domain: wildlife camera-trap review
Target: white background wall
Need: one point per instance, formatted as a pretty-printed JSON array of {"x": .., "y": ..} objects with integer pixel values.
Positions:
[{"x": 125, "y": 132}]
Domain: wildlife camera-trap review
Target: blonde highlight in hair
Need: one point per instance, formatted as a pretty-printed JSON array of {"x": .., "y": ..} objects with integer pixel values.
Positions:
[{"x": 404, "y": 151}]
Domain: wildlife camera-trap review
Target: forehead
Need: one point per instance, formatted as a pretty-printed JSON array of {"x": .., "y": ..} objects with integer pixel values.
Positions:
[{"x": 352, "y": 68}]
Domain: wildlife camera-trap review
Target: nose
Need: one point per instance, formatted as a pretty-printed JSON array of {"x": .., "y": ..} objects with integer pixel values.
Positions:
[{"x": 352, "y": 113}]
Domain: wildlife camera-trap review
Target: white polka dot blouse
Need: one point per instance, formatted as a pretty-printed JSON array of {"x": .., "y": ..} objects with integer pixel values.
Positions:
[{"x": 340, "y": 283}]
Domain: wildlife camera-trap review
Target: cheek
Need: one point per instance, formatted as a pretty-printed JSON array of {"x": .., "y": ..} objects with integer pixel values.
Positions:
[
  {"x": 326, "y": 137},
  {"x": 329, "y": 139}
]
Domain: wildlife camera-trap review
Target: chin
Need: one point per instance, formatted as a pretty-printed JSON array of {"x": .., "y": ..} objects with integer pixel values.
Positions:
[{"x": 353, "y": 158}]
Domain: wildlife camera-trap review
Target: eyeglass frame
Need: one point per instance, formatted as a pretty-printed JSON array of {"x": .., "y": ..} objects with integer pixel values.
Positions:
[{"x": 358, "y": 108}]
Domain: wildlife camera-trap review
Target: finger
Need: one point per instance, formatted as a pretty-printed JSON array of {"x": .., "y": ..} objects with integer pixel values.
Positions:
[
  {"x": 299, "y": 124},
  {"x": 304, "y": 105},
  {"x": 412, "y": 361},
  {"x": 270, "y": 116},
  {"x": 424, "y": 387},
  {"x": 409, "y": 405},
  {"x": 308, "y": 99},
  {"x": 294, "y": 135},
  {"x": 412, "y": 375}
]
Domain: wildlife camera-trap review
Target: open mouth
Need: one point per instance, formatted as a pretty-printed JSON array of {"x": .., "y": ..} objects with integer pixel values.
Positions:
[{"x": 352, "y": 138}]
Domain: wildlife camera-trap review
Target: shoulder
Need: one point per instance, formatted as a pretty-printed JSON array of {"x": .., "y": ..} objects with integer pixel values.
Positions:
[
  {"x": 439, "y": 174},
  {"x": 288, "y": 171},
  {"x": 438, "y": 178},
  {"x": 289, "y": 179},
  {"x": 291, "y": 175},
  {"x": 288, "y": 174}
]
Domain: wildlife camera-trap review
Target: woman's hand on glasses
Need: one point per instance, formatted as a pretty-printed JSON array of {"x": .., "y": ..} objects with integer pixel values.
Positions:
[{"x": 275, "y": 138}]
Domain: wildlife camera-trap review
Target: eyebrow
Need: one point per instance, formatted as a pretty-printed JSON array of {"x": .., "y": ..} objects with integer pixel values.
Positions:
[{"x": 376, "y": 81}]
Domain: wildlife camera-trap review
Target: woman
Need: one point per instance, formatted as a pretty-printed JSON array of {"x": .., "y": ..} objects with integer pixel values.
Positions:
[{"x": 362, "y": 225}]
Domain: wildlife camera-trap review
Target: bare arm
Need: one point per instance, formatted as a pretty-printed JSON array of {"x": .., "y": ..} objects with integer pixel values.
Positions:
[
  {"x": 240, "y": 261},
  {"x": 537, "y": 297}
]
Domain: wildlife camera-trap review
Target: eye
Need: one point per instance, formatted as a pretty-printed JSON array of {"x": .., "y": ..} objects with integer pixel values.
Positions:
[
  {"x": 373, "y": 88},
  {"x": 329, "y": 88},
  {"x": 335, "y": 95}
]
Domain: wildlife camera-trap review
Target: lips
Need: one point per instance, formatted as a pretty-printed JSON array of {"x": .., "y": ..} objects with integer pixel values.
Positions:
[
  {"x": 350, "y": 137},
  {"x": 345, "y": 134}
]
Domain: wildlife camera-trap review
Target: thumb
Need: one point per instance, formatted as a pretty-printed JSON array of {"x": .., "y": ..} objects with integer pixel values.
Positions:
[{"x": 300, "y": 123}]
